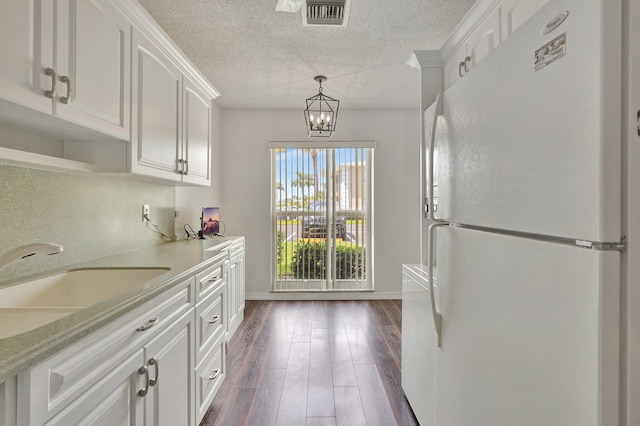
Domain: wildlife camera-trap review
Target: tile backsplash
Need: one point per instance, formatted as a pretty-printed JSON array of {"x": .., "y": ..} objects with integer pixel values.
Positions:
[{"x": 92, "y": 215}]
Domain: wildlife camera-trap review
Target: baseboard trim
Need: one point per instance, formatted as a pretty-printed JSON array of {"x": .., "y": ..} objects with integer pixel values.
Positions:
[{"x": 374, "y": 295}]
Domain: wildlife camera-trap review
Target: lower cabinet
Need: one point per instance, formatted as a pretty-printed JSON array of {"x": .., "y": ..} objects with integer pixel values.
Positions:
[
  {"x": 114, "y": 400},
  {"x": 235, "y": 276},
  {"x": 160, "y": 364},
  {"x": 153, "y": 386},
  {"x": 169, "y": 362}
]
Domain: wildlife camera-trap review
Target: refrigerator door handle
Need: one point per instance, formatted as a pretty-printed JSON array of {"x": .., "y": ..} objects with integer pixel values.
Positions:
[
  {"x": 437, "y": 317},
  {"x": 430, "y": 164}
]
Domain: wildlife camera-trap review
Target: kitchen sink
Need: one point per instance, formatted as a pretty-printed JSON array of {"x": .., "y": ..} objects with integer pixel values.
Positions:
[{"x": 26, "y": 306}]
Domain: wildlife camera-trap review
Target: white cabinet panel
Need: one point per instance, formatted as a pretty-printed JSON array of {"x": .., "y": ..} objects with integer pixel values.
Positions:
[
  {"x": 209, "y": 377},
  {"x": 23, "y": 29},
  {"x": 171, "y": 362},
  {"x": 516, "y": 12},
  {"x": 235, "y": 272},
  {"x": 476, "y": 46},
  {"x": 86, "y": 46},
  {"x": 171, "y": 136},
  {"x": 157, "y": 100},
  {"x": 197, "y": 134},
  {"x": 484, "y": 38},
  {"x": 113, "y": 401},
  {"x": 94, "y": 53}
]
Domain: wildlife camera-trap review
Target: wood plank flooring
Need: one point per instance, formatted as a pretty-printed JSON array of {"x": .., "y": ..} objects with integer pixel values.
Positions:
[{"x": 314, "y": 363}]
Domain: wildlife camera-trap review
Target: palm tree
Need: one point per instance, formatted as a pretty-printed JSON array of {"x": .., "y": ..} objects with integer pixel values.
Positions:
[
  {"x": 303, "y": 180},
  {"x": 314, "y": 157}
]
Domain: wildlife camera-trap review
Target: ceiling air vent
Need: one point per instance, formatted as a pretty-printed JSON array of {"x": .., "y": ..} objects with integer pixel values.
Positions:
[{"x": 326, "y": 12}]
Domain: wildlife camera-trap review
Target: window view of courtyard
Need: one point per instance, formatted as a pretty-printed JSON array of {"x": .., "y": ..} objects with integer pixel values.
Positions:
[{"x": 321, "y": 218}]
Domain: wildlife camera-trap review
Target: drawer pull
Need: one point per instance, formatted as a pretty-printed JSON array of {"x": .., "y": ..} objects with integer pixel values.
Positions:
[
  {"x": 214, "y": 278},
  {"x": 215, "y": 374},
  {"x": 156, "y": 365},
  {"x": 144, "y": 370},
  {"x": 214, "y": 319},
  {"x": 148, "y": 325}
]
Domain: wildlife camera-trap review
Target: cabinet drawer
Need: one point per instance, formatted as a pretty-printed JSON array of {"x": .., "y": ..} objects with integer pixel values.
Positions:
[
  {"x": 63, "y": 378},
  {"x": 209, "y": 377},
  {"x": 211, "y": 277},
  {"x": 210, "y": 320},
  {"x": 236, "y": 248}
]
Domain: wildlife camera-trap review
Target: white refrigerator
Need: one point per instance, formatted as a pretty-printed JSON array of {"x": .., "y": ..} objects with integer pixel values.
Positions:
[{"x": 516, "y": 319}]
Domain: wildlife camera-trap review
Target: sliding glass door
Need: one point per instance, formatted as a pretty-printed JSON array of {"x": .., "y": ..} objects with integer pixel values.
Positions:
[{"x": 321, "y": 216}]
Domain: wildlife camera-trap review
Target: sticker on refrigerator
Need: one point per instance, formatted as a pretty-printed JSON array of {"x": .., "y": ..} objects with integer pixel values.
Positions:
[{"x": 551, "y": 52}]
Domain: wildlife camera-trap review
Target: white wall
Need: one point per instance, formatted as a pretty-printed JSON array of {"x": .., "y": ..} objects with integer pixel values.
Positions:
[{"x": 246, "y": 188}]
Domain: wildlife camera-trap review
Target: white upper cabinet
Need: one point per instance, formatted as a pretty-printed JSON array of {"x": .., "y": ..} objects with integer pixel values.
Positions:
[
  {"x": 69, "y": 59},
  {"x": 22, "y": 27},
  {"x": 196, "y": 149},
  {"x": 488, "y": 23},
  {"x": 171, "y": 136},
  {"x": 483, "y": 39},
  {"x": 93, "y": 52},
  {"x": 157, "y": 99},
  {"x": 90, "y": 74},
  {"x": 517, "y": 12},
  {"x": 473, "y": 48}
]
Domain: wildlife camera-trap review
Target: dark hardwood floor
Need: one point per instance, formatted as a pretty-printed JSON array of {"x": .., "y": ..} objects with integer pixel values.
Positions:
[{"x": 314, "y": 363}]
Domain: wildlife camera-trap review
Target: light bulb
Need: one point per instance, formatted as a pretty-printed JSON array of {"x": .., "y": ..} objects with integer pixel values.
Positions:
[
  {"x": 322, "y": 116},
  {"x": 318, "y": 121},
  {"x": 310, "y": 117},
  {"x": 328, "y": 118}
]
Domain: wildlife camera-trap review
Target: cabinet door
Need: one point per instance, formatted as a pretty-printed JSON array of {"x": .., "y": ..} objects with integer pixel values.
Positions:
[
  {"x": 156, "y": 122},
  {"x": 236, "y": 292},
  {"x": 171, "y": 361},
  {"x": 454, "y": 67},
  {"x": 93, "y": 63},
  {"x": 24, "y": 26},
  {"x": 517, "y": 12},
  {"x": 196, "y": 149},
  {"x": 232, "y": 299},
  {"x": 484, "y": 38},
  {"x": 112, "y": 401}
]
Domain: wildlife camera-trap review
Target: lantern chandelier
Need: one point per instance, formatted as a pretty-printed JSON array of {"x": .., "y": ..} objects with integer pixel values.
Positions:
[{"x": 321, "y": 113}]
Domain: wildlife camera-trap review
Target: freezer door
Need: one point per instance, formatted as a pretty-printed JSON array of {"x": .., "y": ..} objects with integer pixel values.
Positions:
[
  {"x": 537, "y": 149},
  {"x": 529, "y": 332},
  {"x": 418, "y": 344}
]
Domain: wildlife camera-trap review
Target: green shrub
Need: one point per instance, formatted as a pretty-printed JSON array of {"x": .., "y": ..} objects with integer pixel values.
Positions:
[
  {"x": 350, "y": 262},
  {"x": 309, "y": 261},
  {"x": 280, "y": 237}
]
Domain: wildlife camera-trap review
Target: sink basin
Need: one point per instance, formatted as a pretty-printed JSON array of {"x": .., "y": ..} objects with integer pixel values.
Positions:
[{"x": 26, "y": 306}]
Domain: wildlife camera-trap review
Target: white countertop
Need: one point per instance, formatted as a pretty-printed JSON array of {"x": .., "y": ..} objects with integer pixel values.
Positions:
[{"x": 184, "y": 258}]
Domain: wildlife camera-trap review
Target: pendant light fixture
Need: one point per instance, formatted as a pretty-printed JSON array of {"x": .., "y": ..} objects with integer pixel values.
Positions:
[{"x": 321, "y": 113}]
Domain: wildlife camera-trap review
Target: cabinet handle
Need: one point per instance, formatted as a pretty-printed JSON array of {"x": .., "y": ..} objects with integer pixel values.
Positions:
[
  {"x": 156, "y": 365},
  {"x": 186, "y": 165},
  {"x": 466, "y": 61},
  {"x": 180, "y": 167},
  {"x": 148, "y": 325},
  {"x": 215, "y": 374},
  {"x": 66, "y": 99},
  {"x": 214, "y": 319},
  {"x": 144, "y": 370},
  {"x": 460, "y": 66},
  {"x": 51, "y": 73}
]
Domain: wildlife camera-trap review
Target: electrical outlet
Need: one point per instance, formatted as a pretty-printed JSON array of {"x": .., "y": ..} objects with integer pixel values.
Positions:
[{"x": 145, "y": 212}]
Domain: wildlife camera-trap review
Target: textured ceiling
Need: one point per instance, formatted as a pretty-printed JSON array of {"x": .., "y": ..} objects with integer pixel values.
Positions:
[{"x": 259, "y": 58}]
